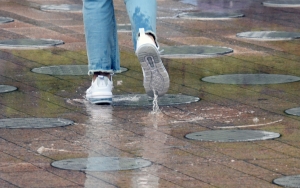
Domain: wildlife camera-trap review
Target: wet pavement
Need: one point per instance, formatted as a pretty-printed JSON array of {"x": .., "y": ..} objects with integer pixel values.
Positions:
[{"x": 101, "y": 132}]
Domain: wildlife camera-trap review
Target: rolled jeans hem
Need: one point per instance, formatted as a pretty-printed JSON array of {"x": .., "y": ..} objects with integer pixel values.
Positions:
[{"x": 91, "y": 72}]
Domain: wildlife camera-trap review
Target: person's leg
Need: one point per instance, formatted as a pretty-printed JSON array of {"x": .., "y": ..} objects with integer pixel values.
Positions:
[
  {"x": 101, "y": 36},
  {"x": 102, "y": 48},
  {"x": 142, "y": 14}
]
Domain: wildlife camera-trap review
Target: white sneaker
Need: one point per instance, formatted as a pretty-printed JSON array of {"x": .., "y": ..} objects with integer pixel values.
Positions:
[
  {"x": 100, "y": 91},
  {"x": 156, "y": 76}
]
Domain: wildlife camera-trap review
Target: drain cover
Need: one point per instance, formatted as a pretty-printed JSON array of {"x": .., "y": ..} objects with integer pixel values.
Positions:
[
  {"x": 194, "y": 51},
  {"x": 209, "y": 15},
  {"x": 6, "y": 88},
  {"x": 232, "y": 135},
  {"x": 282, "y": 3},
  {"x": 145, "y": 100},
  {"x": 29, "y": 43},
  {"x": 73, "y": 70},
  {"x": 249, "y": 79},
  {"x": 124, "y": 28},
  {"x": 288, "y": 181},
  {"x": 5, "y": 20},
  {"x": 62, "y": 7},
  {"x": 33, "y": 123},
  {"x": 293, "y": 111},
  {"x": 269, "y": 35},
  {"x": 101, "y": 164}
]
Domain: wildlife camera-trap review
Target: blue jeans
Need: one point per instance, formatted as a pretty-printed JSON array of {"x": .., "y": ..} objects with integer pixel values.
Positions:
[{"x": 101, "y": 30}]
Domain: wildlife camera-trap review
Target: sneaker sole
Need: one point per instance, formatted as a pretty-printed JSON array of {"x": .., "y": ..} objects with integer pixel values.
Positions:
[
  {"x": 99, "y": 99},
  {"x": 155, "y": 75}
]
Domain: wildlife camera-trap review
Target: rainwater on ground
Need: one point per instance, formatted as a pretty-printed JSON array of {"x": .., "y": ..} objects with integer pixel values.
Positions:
[{"x": 119, "y": 132}]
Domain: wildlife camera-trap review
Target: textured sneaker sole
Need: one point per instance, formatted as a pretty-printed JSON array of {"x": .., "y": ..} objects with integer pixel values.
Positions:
[{"x": 155, "y": 75}]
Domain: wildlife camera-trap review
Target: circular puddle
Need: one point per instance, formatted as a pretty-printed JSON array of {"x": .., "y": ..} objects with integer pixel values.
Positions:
[
  {"x": 269, "y": 35},
  {"x": 66, "y": 70},
  {"x": 288, "y": 181},
  {"x": 193, "y": 51},
  {"x": 62, "y": 7},
  {"x": 232, "y": 135},
  {"x": 29, "y": 43},
  {"x": 5, "y": 20},
  {"x": 101, "y": 164},
  {"x": 33, "y": 123},
  {"x": 293, "y": 111},
  {"x": 145, "y": 100},
  {"x": 251, "y": 79},
  {"x": 6, "y": 88},
  {"x": 282, "y": 3},
  {"x": 209, "y": 15}
]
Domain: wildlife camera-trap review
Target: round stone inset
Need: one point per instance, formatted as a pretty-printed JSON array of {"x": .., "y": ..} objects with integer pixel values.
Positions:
[
  {"x": 101, "y": 164},
  {"x": 194, "y": 51},
  {"x": 33, "y": 123},
  {"x": 29, "y": 43},
  {"x": 288, "y": 181},
  {"x": 269, "y": 35},
  {"x": 124, "y": 28},
  {"x": 6, "y": 88},
  {"x": 62, "y": 7},
  {"x": 232, "y": 135},
  {"x": 251, "y": 79},
  {"x": 282, "y": 3},
  {"x": 5, "y": 20},
  {"x": 293, "y": 111},
  {"x": 209, "y": 15},
  {"x": 66, "y": 70},
  {"x": 145, "y": 100}
]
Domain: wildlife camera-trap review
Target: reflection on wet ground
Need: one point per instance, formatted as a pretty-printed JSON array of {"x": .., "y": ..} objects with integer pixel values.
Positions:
[{"x": 133, "y": 131}]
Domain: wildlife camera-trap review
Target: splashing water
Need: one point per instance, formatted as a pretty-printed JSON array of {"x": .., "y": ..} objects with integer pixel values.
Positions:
[{"x": 155, "y": 104}]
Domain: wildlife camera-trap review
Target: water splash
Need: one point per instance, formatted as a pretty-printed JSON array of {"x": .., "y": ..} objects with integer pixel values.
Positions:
[{"x": 156, "y": 109}]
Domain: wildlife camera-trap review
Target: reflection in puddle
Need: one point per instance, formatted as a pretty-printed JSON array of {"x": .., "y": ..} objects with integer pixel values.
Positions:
[{"x": 105, "y": 137}]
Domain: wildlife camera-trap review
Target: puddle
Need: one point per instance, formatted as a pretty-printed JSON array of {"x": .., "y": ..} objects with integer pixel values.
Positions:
[
  {"x": 282, "y": 3},
  {"x": 29, "y": 43},
  {"x": 33, "y": 123},
  {"x": 101, "y": 164},
  {"x": 288, "y": 181},
  {"x": 62, "y": 8},
  {"x": 194, "y": 51},
  {"x": 269, "y": 35},
  {"x": 232, "y": 135},
  {"x": 145, "y": 100},
  {"x": 5, "y": 20},
  {"x": 293, "y": 111},
  {"x": 251, "y": 79},
  {"x": 209, "y": 15},
  {"x": 6, "y": 88},
  {"x": 67, "y": 70}
]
